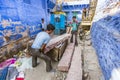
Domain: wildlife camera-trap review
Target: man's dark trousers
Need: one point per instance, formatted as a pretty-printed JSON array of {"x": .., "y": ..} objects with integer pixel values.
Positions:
[
  {"x": 74, "y": 33},
  {"x": 37, "y": 53}
]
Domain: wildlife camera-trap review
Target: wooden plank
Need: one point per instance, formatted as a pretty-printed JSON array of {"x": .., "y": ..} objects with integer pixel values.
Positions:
[
  {"x": 64, "y": 63},
  {"x": 56, "y": 41},
  {"x": 75, "y": 71},
  {"x": 56, "y": 53}
]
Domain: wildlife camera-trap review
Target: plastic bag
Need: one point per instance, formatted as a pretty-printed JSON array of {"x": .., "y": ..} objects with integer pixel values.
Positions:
[{"x": 115, "y": 74}]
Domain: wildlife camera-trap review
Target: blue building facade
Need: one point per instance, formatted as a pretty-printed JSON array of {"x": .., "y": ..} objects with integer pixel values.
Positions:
[
  {"x": 72, "y": 9},
  {"x": 106, "y": 41},
  {"x": 20, "y": 18}
]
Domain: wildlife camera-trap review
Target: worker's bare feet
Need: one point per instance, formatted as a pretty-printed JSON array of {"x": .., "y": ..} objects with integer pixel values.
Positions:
[
  {"x": 52, "y": 70},
  {"x": 35, "y": 64},
  {"x": 28, "y": 55},
  {"x": 49, "y": 68}
]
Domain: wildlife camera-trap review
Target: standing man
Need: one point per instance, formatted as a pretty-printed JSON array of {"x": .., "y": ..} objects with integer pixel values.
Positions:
[
  {"x": 74, "y": 27},
  {"x": 84, "y": 13},
  {"x": 38, "y": 46},
  {"x": 43, "y": 24}
]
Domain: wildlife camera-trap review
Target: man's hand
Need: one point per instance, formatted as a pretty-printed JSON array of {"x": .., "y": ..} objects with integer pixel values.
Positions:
[
  {"x": 43, "y": 48},
  {"x": 70, "y": 28}
]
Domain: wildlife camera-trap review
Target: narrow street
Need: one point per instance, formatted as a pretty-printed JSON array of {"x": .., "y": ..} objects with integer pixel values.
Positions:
[
  {"x": 59, "y": 39},
  {"x": 90, "y": 68}
]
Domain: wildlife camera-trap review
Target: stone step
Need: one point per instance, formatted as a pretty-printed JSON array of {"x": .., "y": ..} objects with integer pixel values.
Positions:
[
  {"x": 75, "y": 71},
  {"x": 65, "y": 61}
]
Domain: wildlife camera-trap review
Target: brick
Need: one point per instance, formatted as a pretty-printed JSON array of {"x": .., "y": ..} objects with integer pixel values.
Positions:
[
  {"x": 65, "y": 61},
  {"x": 75, "y": 71}
]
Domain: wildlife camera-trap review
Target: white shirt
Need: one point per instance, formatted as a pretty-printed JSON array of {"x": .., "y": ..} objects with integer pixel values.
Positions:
[{"x": 44, "y": 26}]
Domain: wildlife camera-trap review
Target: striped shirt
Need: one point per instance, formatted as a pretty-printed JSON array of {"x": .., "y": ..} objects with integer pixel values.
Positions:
[{"x": 41, "y": 38}]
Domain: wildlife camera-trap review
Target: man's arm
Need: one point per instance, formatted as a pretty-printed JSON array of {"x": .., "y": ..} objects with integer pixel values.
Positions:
[
  {"x": 70, "y": 28},
  {"x": 43, "y": 48},
  {"x": 44, "y": 44}
]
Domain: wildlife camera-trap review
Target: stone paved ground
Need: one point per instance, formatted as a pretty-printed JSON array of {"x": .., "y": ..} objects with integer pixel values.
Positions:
[
  {"x": 91, "y": 66},
  {"x": 39, "y": 73}
]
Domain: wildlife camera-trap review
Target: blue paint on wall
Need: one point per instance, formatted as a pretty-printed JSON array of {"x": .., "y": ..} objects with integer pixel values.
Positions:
[
  {"x": 19, "y": 16},
  {"x": 74, "y": 7},
  {"x": 70, "y": 9},
  {"x": 51, "y": 4},
  {"x": 106, "y": 40},
  {"x": 69, "y": 16}
]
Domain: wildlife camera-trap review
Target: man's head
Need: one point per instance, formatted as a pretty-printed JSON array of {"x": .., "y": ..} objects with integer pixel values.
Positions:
[
  {"x": 50, "y": 28},
  {"x": 42, "y": 20},
  {"x": 74, "y": 18}
]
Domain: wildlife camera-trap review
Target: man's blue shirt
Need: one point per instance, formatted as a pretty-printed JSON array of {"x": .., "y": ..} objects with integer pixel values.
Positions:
[{"x": 41, "y": 38}]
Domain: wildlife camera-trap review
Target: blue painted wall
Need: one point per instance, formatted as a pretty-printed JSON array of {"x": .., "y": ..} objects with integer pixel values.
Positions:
[
  {"x": 18, "y": 17},
  {"x": 70, "y": 9},
  {"x": 106, "y": 40},
  {"x": 74, "y": 7}
]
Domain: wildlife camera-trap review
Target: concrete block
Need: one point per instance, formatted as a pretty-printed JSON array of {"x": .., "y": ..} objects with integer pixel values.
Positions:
[
  {"x": 75, "y": 71},
  {"x": 56, "y": 41},
  {"x": 65, "y": 61}
]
